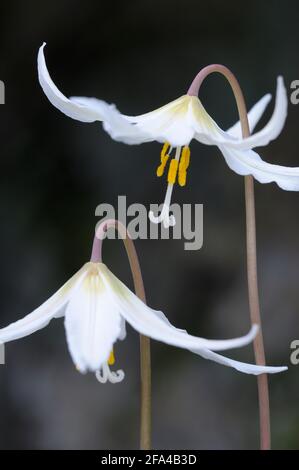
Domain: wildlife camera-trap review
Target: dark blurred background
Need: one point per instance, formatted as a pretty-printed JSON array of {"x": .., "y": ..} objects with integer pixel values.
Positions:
[{"x": 55, "y": 171}]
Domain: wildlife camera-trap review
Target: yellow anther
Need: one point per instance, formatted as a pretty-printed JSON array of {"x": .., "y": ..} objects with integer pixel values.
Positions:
[
  {"x": 183, "y": 166},
  {"x": 182, "y": 178},
  {"x": 164, "y": 159},
  {"x": 185, "y": 157},
  {"x": 164, "y": 149},
  {"x": 111, "y": 359},
  {"x": 172, "y": 172},
  {"x": 161, "y": 167}
]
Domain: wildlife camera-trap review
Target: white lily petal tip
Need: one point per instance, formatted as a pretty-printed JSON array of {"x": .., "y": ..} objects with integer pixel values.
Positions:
[
  {"x": 281, "y": 87},
  {"x": 80, "y": 369},
  {"x": 273, "y": 369},
  {"x": 266, "y": 99},
  {"x": 40, "y": 56},
  {"x": 86, "y": 111}
]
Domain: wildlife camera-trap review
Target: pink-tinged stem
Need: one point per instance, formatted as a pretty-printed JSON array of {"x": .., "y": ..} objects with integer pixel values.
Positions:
[
  {"x": 254, "y": 307},
  {"x": 145, "y": 352}
]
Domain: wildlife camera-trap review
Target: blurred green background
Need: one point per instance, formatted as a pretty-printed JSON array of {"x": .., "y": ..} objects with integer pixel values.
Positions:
[{"x": 55, "y": 171}]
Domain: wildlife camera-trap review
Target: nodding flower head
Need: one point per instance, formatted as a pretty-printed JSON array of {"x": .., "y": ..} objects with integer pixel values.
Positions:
[
  {"x": 96, "y": 306},
  {"x": 175, "y": 125}
]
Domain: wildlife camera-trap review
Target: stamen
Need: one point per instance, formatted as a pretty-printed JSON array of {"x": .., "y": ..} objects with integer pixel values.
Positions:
[
  {"x": 111, "y": 360},
  {"x": 183, "y": 166},
  {"x": 164, "y": 149},
  {"x": 172, "y": 172},
  {"x": 161, "y": 167},
  {"x": 104, "y": 374},
  {"x": 168, "y": 220},
  {"x": 164, "y": 158}
]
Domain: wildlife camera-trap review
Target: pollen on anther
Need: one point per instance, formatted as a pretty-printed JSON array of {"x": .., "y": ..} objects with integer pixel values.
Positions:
[
  {"x": 172, "y": 172},
  {"x": 183, "y": 166},
  {"x": 111, "y": 359},
  {"x": 161, "y": 167},
  {"x": 164, "y": 159},
  {"x": 164, "y": 149}
]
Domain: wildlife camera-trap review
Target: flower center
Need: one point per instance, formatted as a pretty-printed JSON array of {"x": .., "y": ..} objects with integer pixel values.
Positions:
[
  {"x": 177, "y": 172},
  {"x": 178, "y": 166}
]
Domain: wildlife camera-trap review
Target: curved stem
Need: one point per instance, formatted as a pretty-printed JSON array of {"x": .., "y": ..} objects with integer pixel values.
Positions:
[
  {"x": 254, "y": 307},
  {"x": 145, "y": 354}
]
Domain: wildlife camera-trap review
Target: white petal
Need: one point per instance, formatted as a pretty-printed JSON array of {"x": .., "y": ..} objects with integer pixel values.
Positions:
[
  {"x": 147, "y": 322},
  {"x": 254, "y": 115},
  {"x": 163, "y": 113},
  {"x": 121, "y": 130},
  {"x": 248, "y": 162},
  {"x": 123, "y": 329},
  {"x": 170, "y": 123},
  {"x": 89, "y": 109},
  {"x": 208, "y": 132},
  {"x": 41, "y": 316},
  {"x": 240, "y": 366},
  {"x": 114, "y": 123},
  {"x": 73, "y": 109},
  {"x": 205, "y": 128},
  {"x": 274, "y": 126},
  {"x": 92, "y": 324}
]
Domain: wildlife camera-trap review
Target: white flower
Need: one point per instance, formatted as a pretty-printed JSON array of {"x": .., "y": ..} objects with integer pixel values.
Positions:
[
  {"x": 175, "y": 125},
  {"x": 96, "y": 305}
]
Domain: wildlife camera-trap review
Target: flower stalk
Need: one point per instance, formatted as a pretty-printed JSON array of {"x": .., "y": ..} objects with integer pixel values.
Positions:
[
  {"x": 252, "y": 279},
  {"x": 145, "y": 352}
]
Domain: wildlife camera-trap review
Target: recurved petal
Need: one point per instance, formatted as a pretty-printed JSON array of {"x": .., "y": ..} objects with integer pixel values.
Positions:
[
  {"x": 149, "y": 322},
  {"x": 90, "y": 109},
  {"x": 254, "y": 115},
  {"x": 212, "y": 356},
  {"x": 74, "y": 109},
  {"x": 92, "y": 324},
  {"x": 41, "y": 316},
  {"x": 248, "y": 162},
  {"x": 274, "y": 127},
  {"x": 121, "y": 130},
  {"x": 114, "y": 123},
  {"x": 205, "y": 128},
  {"x": 240, "y": 366}
]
